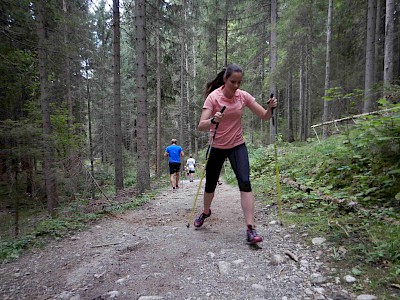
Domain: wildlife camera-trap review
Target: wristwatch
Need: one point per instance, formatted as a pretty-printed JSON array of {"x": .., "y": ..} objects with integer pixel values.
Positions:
[{"x": 213, "y": 121}]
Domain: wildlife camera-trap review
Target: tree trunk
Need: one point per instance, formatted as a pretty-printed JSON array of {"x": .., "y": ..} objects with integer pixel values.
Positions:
[
  {"x": 302, "y": 105},
  {"x": 89, "y": 113},
  {"x": 71, "y": 160},
  {"x": 226, "y": 31},
  {"x": 263, "y": 98},
  {"x": 308, "y": 80},
  {"x": 67, "y": 70},
  {"x": 143, "y": 170},
  {"x": 369, "y": 57},
  {"x": 328, "y": 67},
  {"x": 216, "y": 38},
  {"x": 158, "y": 91},
  {"x": 119, "y": 176},
  {"x": 188, "y": 144},
  {"x": 389, "y": 37},
  {"x": 378, "y": 64},
  {"x": 48, "y": 148},
  {"x": 183, "y": 81},
  {"x": 289, "y": 105},
  {"x": 195, "y": 116},
  {"x": 273, "y": 64}
]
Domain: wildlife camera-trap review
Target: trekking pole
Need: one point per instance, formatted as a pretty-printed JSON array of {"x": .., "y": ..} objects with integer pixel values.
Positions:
[
  {"x": 278, "y": 181},
  {"x": 204, "y": 172}
]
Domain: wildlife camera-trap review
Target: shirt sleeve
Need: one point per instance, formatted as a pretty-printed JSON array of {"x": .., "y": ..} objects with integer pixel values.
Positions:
[
  {"x": 248, "y": 98},
  {"x": 209, "y": 103}
]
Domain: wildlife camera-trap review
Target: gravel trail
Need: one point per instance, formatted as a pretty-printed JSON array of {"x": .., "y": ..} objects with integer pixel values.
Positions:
[{"x": 150, "y": 254}]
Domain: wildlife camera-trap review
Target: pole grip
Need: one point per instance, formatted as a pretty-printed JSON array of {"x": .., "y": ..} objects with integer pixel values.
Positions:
[
  {"x": 272, "y": 111},
  {"x": 216, "y": 126}
]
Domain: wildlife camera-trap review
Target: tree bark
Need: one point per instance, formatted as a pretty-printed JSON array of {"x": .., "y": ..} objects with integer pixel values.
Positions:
[
  {"x": 309, "y": 72},
  {"x": 184, "y": 132},
  {"x": 118, "y": 159},
  {"x": 389, "y": 37},
  {"x": 143, "y": 170},
  {"x": 226, "y": 32},
  {"x": 369, "y": 57},
  {"x": 158, "y": 91},
  {"x": 378, "y": 65},
  {"x": 48, "y": 147},
  {"x": 289, "y": 106},
  {"x": 328, "y": 67},
  {"x": 67, "y": 69},
  {"x": 89, "y": 113},
  {"x": 302, "y": 100},
  {"x": 273, "y": 64}
]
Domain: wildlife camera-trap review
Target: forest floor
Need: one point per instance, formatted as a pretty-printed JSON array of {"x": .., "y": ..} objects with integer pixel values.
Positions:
[{"x": 150, "y": 254}]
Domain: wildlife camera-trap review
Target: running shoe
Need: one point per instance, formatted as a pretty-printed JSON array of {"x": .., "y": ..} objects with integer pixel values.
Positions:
[
  {"x": 252, "y": 235},
  {"x": 200, "y": 220}
]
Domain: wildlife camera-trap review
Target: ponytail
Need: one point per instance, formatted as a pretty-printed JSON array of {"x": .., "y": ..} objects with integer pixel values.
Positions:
[
  {"x": 219, "y": 80},
  {"x": 214, "y": 84}
]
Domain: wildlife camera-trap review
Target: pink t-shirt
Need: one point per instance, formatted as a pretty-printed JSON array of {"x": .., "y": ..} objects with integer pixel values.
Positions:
[{"x": 229, "y": 132}]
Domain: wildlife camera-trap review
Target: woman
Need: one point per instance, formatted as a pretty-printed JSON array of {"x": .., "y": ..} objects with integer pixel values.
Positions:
[{"x": 229, "y": 143}]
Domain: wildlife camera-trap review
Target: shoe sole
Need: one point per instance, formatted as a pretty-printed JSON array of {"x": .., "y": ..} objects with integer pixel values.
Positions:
[{"x": 253, "y": 243}]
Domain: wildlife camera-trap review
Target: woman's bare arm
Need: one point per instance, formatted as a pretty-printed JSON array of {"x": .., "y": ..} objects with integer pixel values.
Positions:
[
  {"x": 205, "y": 119},
  {"x": 260, "y": 111}
]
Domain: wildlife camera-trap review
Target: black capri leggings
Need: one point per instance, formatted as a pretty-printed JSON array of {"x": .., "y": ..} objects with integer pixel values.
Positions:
[{"x": 239, "y": 159}]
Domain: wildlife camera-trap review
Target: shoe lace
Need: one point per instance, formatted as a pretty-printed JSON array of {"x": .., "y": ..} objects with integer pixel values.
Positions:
[
  {"x": 252, "y": 232},
  {"x": 203, "y": 216}
]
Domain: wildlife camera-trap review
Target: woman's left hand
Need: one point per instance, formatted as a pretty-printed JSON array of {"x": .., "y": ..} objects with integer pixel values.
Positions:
[{"x": 272, "y": 102}]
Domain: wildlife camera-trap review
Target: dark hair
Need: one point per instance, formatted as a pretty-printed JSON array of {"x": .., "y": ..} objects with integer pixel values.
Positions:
[{"x": 219, "y": 80}]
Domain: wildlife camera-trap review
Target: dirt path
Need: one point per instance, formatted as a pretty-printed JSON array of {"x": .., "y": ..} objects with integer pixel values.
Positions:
[{"x": 151, "y": 254}]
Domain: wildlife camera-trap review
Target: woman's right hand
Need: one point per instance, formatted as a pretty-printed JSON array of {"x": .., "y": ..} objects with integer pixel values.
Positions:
[{"x": 218, "y": 117}]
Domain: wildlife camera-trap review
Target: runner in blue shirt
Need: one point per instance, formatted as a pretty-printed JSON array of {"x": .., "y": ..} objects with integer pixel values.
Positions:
[{"x": 174, "y": 152}]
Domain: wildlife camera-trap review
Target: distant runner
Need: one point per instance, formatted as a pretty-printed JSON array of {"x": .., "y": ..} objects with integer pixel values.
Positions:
[
  {"x": 191, "y": 167},
  {"x": 174, "y": 152}
]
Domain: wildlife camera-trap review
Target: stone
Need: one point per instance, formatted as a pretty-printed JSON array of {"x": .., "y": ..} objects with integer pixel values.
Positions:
[
  {"x": 349, "y": 279},
  {"x": 113, "y": 294},
  {"x": 317, "y": 278},
  {"x": 224, "y": 267},
  {"x": 238, "y": 261},
  {"x": 318, "y": 241},
  {"x": 258, "y": 287},
  {"x": 277, "y": 259},
  {"x": 366, "y": 297},
  {"x": 340, "y": 296}
]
